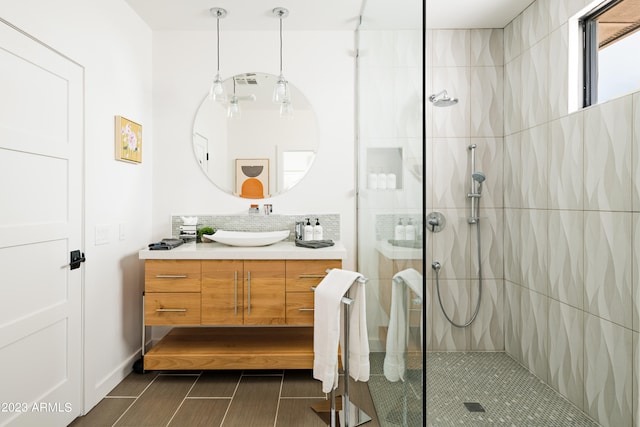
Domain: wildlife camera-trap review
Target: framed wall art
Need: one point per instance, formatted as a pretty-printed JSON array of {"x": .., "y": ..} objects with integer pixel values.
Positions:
[
  {"x": 252, "y": 178},
  {"x": 128, "y": 140}
]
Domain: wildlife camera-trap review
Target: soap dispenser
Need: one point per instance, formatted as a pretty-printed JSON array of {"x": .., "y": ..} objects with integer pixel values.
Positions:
[
  {"x": 308, "y": 231},
  {"x": 317, "y": 230},
  {"x": 410, "y": 231},
  {"x": 400, "y": 231}
]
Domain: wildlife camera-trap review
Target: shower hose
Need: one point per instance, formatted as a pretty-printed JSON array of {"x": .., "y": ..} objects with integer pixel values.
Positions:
[{"x": 436, "y": 267}]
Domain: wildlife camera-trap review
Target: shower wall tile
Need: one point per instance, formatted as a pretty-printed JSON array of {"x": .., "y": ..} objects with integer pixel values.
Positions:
[
  {"x": 566, "y": 351},
  {"x": 565, "y": 154},
  {"x": 487, "y": 331},
  {"x": 608, "y": 372},
  {"x": 487, "y": 47},
  {"x": 489, "y": 159},
  {"x": 512, "y": 320},
  {"x": 635, "y": 290},
  {"x": 407, "y": 49},
  {"x": 452, "y": 48},
  {"x": 513, "y": 96},
  {"x": 512, "y": 178},
  {"x": 533, "y": 163},
  {"x": 455, "y": 295},
  {"x": 607, "y": 266},
  {"x": 534, "y": 311},
  {"x": 491, "y": 235},
  {"x": 452, "y": 122},
  {"x": 535, "y": 23},
  {"x": 451, "y": 172},
  {"x": 533, "y": 253},
  {"x": 512, "y": 248},
  {"x": 429, "y": 305},
  {"x": 513, "y": 39},
  {"x": 566, "y": 257},
  {"x": 607, "y": 149},
  {"x": 376, "y": 49},
  {"x": 558, "y": 73},
  {"x": 374, "y": 99},
  {"x": 487, "y": 100},
  {"x": 636, "y": 153},
  {"x": 408, "y": 102},
  {"x": 535, "y": 85},
  {"x": 636, "y": 379},
  {"x": 451, "y": 245}
]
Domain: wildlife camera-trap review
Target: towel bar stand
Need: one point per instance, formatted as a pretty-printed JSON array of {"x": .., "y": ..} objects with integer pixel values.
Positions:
[{"x": 349, "y": 411}]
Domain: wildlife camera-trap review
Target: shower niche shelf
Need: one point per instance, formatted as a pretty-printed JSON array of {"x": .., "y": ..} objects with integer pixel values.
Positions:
[{"x": 385, "y": 160}]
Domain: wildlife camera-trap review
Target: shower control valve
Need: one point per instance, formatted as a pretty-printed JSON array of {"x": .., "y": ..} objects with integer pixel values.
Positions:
[{"x": 436, "y": 221}]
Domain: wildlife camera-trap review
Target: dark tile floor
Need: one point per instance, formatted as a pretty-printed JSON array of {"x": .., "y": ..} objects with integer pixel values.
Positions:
[{"x": 219, "y": 398}]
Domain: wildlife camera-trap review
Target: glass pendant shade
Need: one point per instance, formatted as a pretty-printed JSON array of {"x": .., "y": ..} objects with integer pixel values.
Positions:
[
  {"x": 216, "y": 92},
  {"x": 286, "y": 109},
  {"x": 281, "y": 90},
  {"x": 233, "y": 110}
]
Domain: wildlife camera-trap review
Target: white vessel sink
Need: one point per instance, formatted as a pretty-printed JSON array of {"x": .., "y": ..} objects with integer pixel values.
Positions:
[{"x": 247, "y": 238}]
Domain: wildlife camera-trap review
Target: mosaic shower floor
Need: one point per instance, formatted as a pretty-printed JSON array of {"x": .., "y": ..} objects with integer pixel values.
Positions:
[{"x": 508, "y": 393}]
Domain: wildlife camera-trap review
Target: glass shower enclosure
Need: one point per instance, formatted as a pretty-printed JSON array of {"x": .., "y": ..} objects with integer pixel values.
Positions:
[{"x": 390, "y": 203}]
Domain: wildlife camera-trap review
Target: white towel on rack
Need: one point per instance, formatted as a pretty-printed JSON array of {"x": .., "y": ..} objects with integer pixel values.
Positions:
[
  {"x": 397, "y": 333},
  {"x": 328, "y": 328}
]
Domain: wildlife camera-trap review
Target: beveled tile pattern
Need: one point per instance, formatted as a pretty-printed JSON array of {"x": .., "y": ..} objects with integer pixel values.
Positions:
[
  {"x": 219, "y": 398},
  {"x": 510, "y": 394}
]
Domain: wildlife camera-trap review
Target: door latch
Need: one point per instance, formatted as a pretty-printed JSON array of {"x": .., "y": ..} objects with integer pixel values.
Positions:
[{"x": 77, "y": 258}]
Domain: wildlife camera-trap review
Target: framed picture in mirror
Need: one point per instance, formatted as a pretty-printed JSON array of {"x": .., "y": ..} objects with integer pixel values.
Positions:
[{"x": 252, "y": 178}]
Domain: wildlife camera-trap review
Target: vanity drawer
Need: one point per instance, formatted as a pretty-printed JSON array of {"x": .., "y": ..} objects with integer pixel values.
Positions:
[
  {"x": 300, "y": 308},
  {"x": 172, "y": 276},
  {"x": 171, "y": 308},
  {"x": 303, "y": 274}
]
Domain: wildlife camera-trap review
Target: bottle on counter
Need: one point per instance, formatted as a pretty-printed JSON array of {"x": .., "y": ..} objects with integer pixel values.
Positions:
[
  {"x": 410, "y": 231},
  {"x": 317, "y": 231},
  {"x": 400, "y": 231},
  {"x": 308, "y": 231}
]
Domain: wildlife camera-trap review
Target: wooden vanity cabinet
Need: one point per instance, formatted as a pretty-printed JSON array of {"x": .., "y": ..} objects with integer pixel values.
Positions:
[
  {"x": 172, "y": 292},
  {"x": 264, "y": 296},
  {"x": 222, "y": 292},
  {"x": 302, "y": 275}
]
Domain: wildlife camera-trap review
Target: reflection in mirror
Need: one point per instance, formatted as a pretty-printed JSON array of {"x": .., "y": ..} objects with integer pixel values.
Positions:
[{"x": 256, "y": 132}]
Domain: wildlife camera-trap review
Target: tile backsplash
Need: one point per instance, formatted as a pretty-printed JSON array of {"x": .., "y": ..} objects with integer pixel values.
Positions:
[{"x": 259, "y": 222}]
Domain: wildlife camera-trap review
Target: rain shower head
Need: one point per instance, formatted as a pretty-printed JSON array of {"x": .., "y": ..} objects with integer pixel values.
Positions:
[
  {"x": 442, "y": 99},
  {"x": 479, "y": 177}
]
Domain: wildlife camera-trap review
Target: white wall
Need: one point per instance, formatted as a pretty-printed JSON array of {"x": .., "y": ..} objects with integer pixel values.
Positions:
[
  {"x": 114, "y": 47},
  {"x": 319, "y": 64}
]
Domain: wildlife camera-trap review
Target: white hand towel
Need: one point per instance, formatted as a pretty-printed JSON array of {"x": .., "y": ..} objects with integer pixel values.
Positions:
[
  {"x": 328, "y": 327},
  {"x": 397, "y": 333},
  {"x": 359, "y": 367}
]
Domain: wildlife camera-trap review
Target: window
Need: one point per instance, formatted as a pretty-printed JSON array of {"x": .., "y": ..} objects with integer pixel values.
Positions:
[{"x": 610, "y": 55}]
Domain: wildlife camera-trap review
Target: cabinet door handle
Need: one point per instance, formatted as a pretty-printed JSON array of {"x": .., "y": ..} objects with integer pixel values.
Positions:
[
  {"x": 306, "y": 309},
  {"x": 171, "y": 310},
  {"x": 235, "y": 292},
  {"x": 171, "y": 276},
  {"x": 312, "y": 276},
  {"x": 249, "y": 293}
]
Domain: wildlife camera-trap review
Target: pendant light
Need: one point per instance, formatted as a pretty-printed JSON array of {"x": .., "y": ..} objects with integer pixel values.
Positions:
[
  {"x": 233, "y": 109},
  {"x": 216, "y": 92},
  {"x": 281, "y": 93}
]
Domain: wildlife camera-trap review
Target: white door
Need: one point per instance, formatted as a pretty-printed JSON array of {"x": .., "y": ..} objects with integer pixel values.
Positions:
[{"x": 41, "y": 186}]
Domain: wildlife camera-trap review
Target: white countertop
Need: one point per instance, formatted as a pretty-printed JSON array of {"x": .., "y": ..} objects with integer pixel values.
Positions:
[
  {"x": 280, "y": 250},
  {"x": 397, "y": 252}
]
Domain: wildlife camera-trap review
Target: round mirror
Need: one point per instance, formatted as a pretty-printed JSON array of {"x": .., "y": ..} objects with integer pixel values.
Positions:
[{"x": 250, "y": 146}]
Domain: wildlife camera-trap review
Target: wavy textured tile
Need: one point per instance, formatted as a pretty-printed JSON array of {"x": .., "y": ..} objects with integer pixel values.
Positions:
[
  {"x": 455, "y": 299},
  {"x": 607, "y": 266},
  {"x": 636, "y": 379},
  {"x": 558, "y": 70},
  {"x": 487, "y": 99},
  {"x": 489, "y": 159},
  {"x": 566, "y": 257},
  {"x": 566, "y": 149},
  {"x": 407, "y": 50},
  {"x": 487, "y": 331},
  {"x": 534, "y": 76},
  {"x": 408, "y": 105},
  {"x": 450, "y": 172},
  {"x": 454, "y": 121},
  {"x": 491, "y": 231},
  {"x": 512, "y": 177},
  {"x": 566, "y": 351},
  {"x": 512, "y": 96},
  {"x": 512, "y": 245},
  {"x": 533, "y": 255},
  {"x": 635, "y": 290},
  {"x": 451, "y": 48},
  {"x": 533, "y": 161},
  {"x": 513, "y": 39},
  {"x": 534, "y": 313},
  {"x": 451, "y": 245},
  {"x": 535, "y": 23},
  {"x": 487, "y": 47},
  {"x": 608, "y": 372},
  {"x": 607, "y": 149},
  {"x": 512, "y": 321}
]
